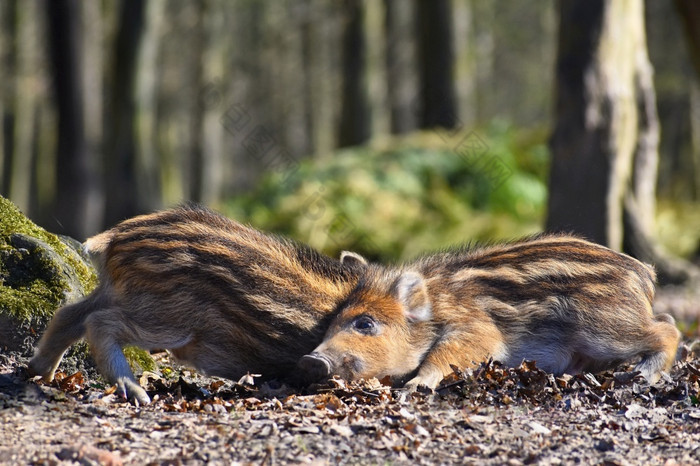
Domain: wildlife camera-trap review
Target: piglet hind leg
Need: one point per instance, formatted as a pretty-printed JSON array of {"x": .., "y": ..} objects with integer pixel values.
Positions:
[
  {"x": 662, "y": 345},
  {"x": 66, "y": 327},
  {"x": 106, "y": 333}
]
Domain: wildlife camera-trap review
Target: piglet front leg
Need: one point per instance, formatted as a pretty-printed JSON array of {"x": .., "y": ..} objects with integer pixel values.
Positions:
[{"x": 461, "y": 348}]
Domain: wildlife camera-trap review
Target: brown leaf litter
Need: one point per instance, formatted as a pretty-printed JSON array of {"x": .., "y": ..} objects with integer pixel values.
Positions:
[{"x": 487, "y": 415}]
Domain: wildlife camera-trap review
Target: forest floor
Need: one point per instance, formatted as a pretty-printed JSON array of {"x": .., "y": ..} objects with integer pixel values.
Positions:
[{"x": 489, "y": 415}]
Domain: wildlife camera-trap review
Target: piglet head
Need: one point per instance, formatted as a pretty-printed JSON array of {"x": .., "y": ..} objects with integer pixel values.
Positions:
[{"x": 380, "y": 330}]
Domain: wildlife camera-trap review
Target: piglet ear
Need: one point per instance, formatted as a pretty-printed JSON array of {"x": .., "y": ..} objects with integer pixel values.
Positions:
[
  {"x": 411, "y": 292},
  {"x": 352, "y": 258}
]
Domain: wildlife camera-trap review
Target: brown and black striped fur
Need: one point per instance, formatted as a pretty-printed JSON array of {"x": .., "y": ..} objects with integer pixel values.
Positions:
[
  {"x": 223, "y": 297},
  {"x": 564, "y": 302}
]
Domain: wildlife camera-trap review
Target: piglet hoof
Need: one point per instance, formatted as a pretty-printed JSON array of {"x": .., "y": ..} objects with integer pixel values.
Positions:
[
  {"x": 37, "y": 368},
  {"x": 130, "y": 389},
  {"x": 418, "y": 385},
  {"x": 315, "y": 367}
]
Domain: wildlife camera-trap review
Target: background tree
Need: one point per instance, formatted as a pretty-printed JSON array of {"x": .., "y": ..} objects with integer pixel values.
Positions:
[
  {"x": 689, "y": 13},
  {"x": 596, "y": 118},
  {"x": 77, "y": 201},
  {"x": 121, "y": 161},
  {"x": 605, "y": 140},
  {"x": 355, "y": 116},
  {"x": 436, "y": 55},
  {"x": 158, "y": 84},
  {"x": 21, "y": 100},
  {"x": 401, "y": 60}
]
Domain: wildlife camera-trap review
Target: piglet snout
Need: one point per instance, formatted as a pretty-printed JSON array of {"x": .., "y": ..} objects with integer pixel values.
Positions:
[{"x": 315, "y": 367}]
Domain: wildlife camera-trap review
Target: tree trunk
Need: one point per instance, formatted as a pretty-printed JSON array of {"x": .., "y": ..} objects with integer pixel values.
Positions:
[
  {"x": 355, "y": 121},
  {"x": 436, "y": 61},
  {"x": 308, "y": 51},
  {"x": 689, "y": 11},
  {"x": 290, "y": 85},
  {"x": 646, "y": 153},
  {"x": 147, "y": 160},
  {"x": 402, "y": 85},
  {"x": 465, "y": 62},
  {"x": 321, "y": 40},
  {"x": 485, "y": 58},
  {"x": 640, "y": 200},
  {"x": 695, "y": 136},
  {"x": 77, "y": 206},
  {"x": 377, "y": 89},
  {"x": 7, "y": 81},
  {"x": 206, "y": 155},
  {"x": 605, "y": 141},
  {"x": 596, "y": 127},
  {"x": 92, "y": 71},
  {"x": 120, "y": 179},
  {"x": 24, "y": 104}
]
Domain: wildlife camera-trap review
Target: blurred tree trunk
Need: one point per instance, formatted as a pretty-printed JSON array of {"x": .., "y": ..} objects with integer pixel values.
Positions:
[
  {"x": 291, "y": 81},
  {"x": 24, "y": 101},
  {"x": 377, "y": 86},
  {"x": 206, "y": 162},
  {"x": 120, "y": 180},
  {"x": 695, "y": 136},
  {"x": 436, "y": 62},
  {"x": 465, "y": 61},
  {"x": 177, "y": 99},
  {"x": 401, "y": 82},
  {"x": 355, "y": 124},
  {"x": 689, "y": 12},
  {"x": 92, "y": 72},
  {"x": 321, "y": 40},
  {"x": 247, "y": 115},
  {"x": 7, "y": 81},
  {"x": 604, "y": 145},
  {"x": 596, "y": 117},
  {"x": 485, "y": 53},
  {"x": 147, "y": 161},
  {"x": 77, "y": 206},
  {"x": 309, "y": 61}
]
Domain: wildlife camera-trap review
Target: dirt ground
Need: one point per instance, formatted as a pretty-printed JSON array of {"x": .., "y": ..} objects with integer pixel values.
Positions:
[{"x": 489, "y": 415}]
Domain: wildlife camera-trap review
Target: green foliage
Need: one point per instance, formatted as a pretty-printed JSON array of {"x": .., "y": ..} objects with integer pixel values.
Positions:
[
  {"x": 678, "y": 227},
  {"x": 397, "y": 199}
]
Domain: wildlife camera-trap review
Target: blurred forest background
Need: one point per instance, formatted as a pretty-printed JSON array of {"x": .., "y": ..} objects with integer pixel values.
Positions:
[{"x": 385, "y": 126}]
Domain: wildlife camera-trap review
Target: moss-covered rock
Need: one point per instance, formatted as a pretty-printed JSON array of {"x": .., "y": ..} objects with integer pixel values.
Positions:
[{"x": 39, "y": 272}]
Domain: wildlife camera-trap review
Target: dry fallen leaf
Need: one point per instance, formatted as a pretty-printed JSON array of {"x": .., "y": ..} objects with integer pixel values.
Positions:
[
  {"x": 110, "y": 390},
  {"x": 72, "y": 383}
]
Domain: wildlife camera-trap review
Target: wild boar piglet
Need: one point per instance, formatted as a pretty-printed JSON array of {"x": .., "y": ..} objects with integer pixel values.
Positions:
[
  {"x": 568, "y": 304},
  {"x": 222, "y": 297}
]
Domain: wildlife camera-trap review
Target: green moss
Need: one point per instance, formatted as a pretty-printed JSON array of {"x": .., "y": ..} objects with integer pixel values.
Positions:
[
  {"x": 139, "y": 359},
  {"x": 38, "y": 271}
]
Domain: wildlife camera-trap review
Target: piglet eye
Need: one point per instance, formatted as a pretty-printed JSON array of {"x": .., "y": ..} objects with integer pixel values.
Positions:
[{"x": 365, "y": 324}]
